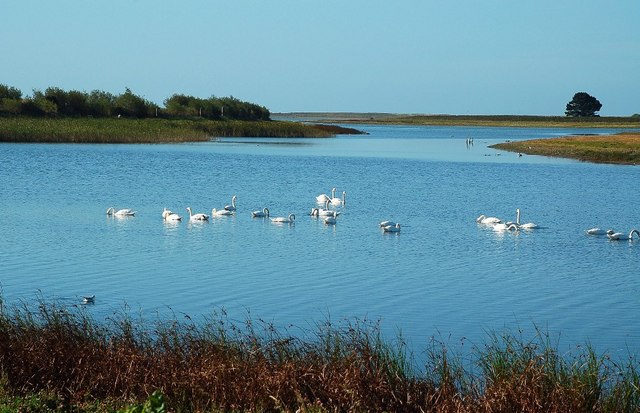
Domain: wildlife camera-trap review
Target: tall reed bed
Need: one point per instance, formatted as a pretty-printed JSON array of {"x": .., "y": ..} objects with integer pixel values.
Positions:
[
  {"x": 218, "y": 364},
  {"x": 113, "y": 130}
]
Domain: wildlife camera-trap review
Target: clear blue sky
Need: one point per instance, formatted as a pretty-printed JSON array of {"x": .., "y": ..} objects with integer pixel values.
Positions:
[{"x": 414, "y": 56}]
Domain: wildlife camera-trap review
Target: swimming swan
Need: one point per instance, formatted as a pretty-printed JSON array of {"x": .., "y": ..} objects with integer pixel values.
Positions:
[
  {"x": 619, "y": 236},
  {"x": 197, "y": 217},
  {"x": 168, "y": 215},
  {"x": 261, "y": 214},
  {"x": 596, "y": 231},
  {"x": 290, "y": 219},
  {"x": 505, "y": 227},
  {"x": 332, "y": 219},
  {"x": 392, "y": 228},
  {"x": 528, "y": 225},
  {"x": 322, "y": 198},
  {"x": 220, "y": 213},
  {"x": 483, "y": 219},
  {"x": 231, "y": 207},
  {"x": 126, "y": 212},
  {"x": 338, "y": 201}
]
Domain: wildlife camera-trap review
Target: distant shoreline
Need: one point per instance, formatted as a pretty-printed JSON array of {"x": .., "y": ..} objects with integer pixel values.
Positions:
[{"x": 631, "y": 122}]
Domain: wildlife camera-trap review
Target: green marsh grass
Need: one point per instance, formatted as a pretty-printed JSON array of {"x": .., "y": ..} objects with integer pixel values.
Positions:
[
  {"x": 54, "y": 358},
  {"x": 113, "y": 130}
]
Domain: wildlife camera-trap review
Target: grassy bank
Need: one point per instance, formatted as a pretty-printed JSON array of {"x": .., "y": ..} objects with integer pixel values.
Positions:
[
  {"x": 468, "y": 120},
  {"x": 623, "y": 148},
  {"x": 112, "y": 130},
  {"x": 64, "y": 360}
]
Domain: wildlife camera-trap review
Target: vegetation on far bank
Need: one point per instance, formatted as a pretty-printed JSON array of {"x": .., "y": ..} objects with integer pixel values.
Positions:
[
  {"x": 623, "y": 148},
  {"x": 59, "y": 359},
  {"x": 124, "y": 130},
  {"x": 627, "y": 122}
]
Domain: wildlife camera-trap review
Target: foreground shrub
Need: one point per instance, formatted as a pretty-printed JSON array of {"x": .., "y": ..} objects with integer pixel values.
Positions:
[{"x": 222, "y": 365}]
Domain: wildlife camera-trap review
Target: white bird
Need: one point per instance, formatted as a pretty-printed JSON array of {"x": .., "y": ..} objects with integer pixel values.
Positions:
[
  {"x": 231, "y": 207},
  {"x": 331, "y": 220},
  {"x": 322, "y": 198},
  {"x": 220, "y": 213},
  {"x": 126, "y": 212},
  {"x": 322, "y": 212},
  {"x": 596, "y": 231},
  {"x": 173, "y": 217},
  {"x": 290, "y": 219},
  {"x": 261, "y": 214},
  {"x": 386, "y": 223},
  {"x": 197, "y": 217},
  {"x": 483, "y": 219},
  {"x": 392, "y": 228},
  {"x": 169, "y": 215},
  {"x": 338, "y": 201},
  {"x": 509, "y": 226},
  {"x": 528, "y": 225},
  {"x": 619, "y": 236}
]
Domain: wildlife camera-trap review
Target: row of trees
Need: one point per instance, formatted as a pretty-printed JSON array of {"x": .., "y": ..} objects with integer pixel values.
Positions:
[{"x": 58, "y": 102}]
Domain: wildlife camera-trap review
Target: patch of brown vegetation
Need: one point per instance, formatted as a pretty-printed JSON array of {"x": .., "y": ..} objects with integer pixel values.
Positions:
[{"x": 623, "y": 148}]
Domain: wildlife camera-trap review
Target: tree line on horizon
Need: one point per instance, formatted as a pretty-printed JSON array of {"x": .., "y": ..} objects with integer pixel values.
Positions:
[{"x": 56, "y": 102}]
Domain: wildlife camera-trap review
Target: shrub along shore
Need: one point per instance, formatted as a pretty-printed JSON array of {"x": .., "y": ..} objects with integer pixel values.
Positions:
[
  {"x": 59, "y": 359},
  {"x": 151, "y": 130}
]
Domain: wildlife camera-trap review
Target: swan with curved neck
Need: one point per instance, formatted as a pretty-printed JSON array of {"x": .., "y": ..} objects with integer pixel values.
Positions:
[
  {"x": 290, "y": 219},
  {"x": 197, "y": 217},
  {"x": 261, "y": 214},
  {"x": 169, "y": 215},
  {"x": 619, "y": 236},
  {"x": 125, "y": 212},
  {"x": 231, "y": 207},
  {"x": 322, "y": 212}
]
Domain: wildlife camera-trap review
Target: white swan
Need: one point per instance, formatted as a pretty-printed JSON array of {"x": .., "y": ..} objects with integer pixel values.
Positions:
[
  {"x": 528, "y": 225},
  {"x": 509, "y": 226},
  {"x": 338, "y": 201},
  {"x": 331, "y": 220},
  {"x": 169, "y": 215},
  {"x": 290, "y": 219},
  {"x": 126, "y": 212},
  {"x": 483, "y": 219},
  {"x": 322, "y": 212},
  {"x": 261, "y": 214},
  {"x": 231, "y": 207},
  {"x": 619, "y": 236},
  {"x": 392, "y": 228},
  {"x": 173, "y": 217},
  {"x": 322, "y": 198},
  {"x": 221, "y": 212},
  {"x": 596, "y": 231},
  {"x": 197, "y": 217}
]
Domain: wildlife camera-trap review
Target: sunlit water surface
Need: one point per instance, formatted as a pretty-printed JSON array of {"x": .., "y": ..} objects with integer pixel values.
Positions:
[{"x": 443, "y": 275}]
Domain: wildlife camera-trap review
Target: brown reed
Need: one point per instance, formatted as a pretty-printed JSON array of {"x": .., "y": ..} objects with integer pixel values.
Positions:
[{"x": 223, "y": 365}]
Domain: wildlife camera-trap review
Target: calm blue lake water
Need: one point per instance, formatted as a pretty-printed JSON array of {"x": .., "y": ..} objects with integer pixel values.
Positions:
[{"x": 443, "y": 275}]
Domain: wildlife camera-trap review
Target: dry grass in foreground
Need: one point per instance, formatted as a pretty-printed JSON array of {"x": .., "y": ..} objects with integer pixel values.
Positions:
[
  {"x": 623, "y": 148},
  {"x": 76, "y": 364}
]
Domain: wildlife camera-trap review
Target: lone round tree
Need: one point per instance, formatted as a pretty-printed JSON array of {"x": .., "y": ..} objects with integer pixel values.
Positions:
[{"x": 583, "y": 105}]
